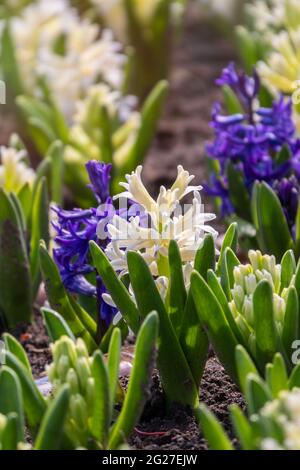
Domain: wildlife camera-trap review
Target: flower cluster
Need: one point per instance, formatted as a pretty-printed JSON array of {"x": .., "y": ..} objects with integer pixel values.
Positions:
[
  {"x": 276, "y": 24},
  {"x": 54, "y": 43},
  {"x": 283, "y": 414},
  {"x": 246, "y": 279},
  {"x": 74, "y": 231},
  {"x": 165, "y": 221},
  {"x": 251, "y": 142}
]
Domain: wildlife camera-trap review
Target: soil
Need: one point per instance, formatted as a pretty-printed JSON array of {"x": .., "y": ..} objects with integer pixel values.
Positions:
[
  {"x": 177, "y": 429},
  {"x": 184, "y": 130}
]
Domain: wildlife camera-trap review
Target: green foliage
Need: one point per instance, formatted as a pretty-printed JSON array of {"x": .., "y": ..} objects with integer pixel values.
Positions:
[{"x": 81, "y": 412}]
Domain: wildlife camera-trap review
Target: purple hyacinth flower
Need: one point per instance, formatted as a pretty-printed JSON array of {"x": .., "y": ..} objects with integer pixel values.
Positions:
[
  {"x": 287, "y": 189},
  {"x": 99, "y": 174},
  {"x": 251, "y": 140}
]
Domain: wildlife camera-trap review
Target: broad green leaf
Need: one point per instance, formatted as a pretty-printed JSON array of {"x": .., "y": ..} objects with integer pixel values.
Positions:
[
  {"x": 271, "y": 220},
  {"x": 102, "y": 407},
  {"x": 213, "y": 319},
  {"x": 113, "y": 363},
  {"x": 257, "y": 394},
  {"x": 288, "y": 268},
  {"x": 137, "y": 391},
  {"x": 242, "y": 427},
  {"x": 178, "y": 295},
  {"x": 115, "y": 287},
  {"x": 177, "y": 380},
  {"x": 215, "y": 286},
  {"x": 206, "y": 256},
  {"x": 245, "y": 366},
  {"x": 59, "y": 300},
  {"x": 150, "y": 115},
  {"x": 56, "y": 325},
  {"x": 15, "y": 283},
  {"x": 39, "y": 231},
  {"x": 9, "y": 65},
  {"x": 51, "y": 431},
  {"x": 56, "y": 155},
  {"x": 265, "y": 329},
  {"x": 276, "y": 376},
  {"x": 230, "y": 240},
  {"x": 193, "y": 340},
  {"x": 17, "y": 349},
  {"x": 11, "y": 400},
  {"x": 238, "y": 192},
  {"x": 34, "y": 403},
  {"x": 294, "y": 380},
  {"x": 290, "y": 331},
  {"x": 213, "y": 430},
  {"x": 10, "y": 436}
]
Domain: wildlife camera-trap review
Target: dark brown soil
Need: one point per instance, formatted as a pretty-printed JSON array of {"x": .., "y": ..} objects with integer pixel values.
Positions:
[
  {"x": 36, "y": 343},
  {"x": 177, "y": 429}
]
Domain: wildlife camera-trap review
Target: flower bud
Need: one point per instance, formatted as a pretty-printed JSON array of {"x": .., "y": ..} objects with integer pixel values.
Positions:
[
  {"x": 78, "y": 410},
  {"x": 72, "y": 380}
]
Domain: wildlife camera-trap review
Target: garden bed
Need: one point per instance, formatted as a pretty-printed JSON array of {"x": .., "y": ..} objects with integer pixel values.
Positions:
[{"x": 184, "y": 130}]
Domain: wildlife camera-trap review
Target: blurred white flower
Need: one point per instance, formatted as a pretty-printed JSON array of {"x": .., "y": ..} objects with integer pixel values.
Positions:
[
  {"x": 14, "y": 172},
  {"x": 52, "y": 41},
  {"x": 167, "y": 220},
  {"x": 284, "y": 413}
]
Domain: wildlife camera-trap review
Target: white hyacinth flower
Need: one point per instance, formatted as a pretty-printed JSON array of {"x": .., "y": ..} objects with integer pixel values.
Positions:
[
  {"x": 54, "y": 42},
  {"x": 165, "y": 222},
  {"x": 14, "y": 172}
]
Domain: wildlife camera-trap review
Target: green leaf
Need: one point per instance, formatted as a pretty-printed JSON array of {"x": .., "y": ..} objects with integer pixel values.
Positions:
[
  {"x": 206, "y": 256},
  {"x": 113, "y": 364},
  {"x": 294, "y": 380},
  {"x": 56, "y": 155},
  {"x": 177, "y": 380},
  {"x": 257, "y": 394},
  {"x": 56, "y": 325},
  {"x": 242, "y": 427},
  {"x": 213, "y": 319},
  {"x": 276, "y": 376},
  {"x": 12, "y": 345},
  {"x": 231, "y": 101},
  {"x": 11, "y": 400},
  {"x": 288, "y": 268},
  {"x": 215, "y": 286},
  {"x": 230, "y": 240},
  {"x": 193, "y": 340},
  {"x": 213, "y": 430},
  {"x": 150, "y": 115},
  {"x": 238, "y": 192},
  {"x": 59, "y": 300},
  {"x": 290, "y": 331},
  {"x": 34, "y": 403},
  {"x": 9, "y": 438},
  {"x": 177, "y": 287},
  {"x": 115, "y": 287},
  {"x": 245, "y": 366},
  {"x": 137, "y": 392},
  {"x": 271, "y": 220},
  {"x": 265, "y": 329},
  {"x": 51, "y": 431},
  {"x": 102, "y": 408},
  {"x": 39, "y": 231},
  {"x": 15, "y": 284},
  {"x": 9, "y": 65}
]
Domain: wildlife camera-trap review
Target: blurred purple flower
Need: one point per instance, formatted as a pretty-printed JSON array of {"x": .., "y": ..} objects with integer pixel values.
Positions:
[
  {"x": 252, "y": 138},
  {"x": 287, "y": 189}
]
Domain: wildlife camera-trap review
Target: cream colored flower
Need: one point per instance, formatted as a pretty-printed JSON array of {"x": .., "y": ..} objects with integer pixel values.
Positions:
[
  {"x": 53, "y": 41},
  {"x": 285, "y": 412},
  {"x": 86, "y": 132},
  {"x": 14, "y": 172},
  {"x": 166, "y": 220}
]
